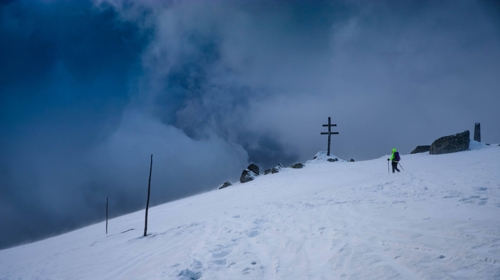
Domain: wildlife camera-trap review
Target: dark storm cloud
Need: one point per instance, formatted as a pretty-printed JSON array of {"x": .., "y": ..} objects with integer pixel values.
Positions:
[
  {"x": 89, "y": 90},
  {"x": 63, "y": 58},
  {"x": 401, "y": 74},
  {"x": 209, "y": 62},
  {"x": 63, "y": 84}
]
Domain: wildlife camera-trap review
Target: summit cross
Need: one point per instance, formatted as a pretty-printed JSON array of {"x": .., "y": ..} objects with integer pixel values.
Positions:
[{"x": 329, "y": 133}]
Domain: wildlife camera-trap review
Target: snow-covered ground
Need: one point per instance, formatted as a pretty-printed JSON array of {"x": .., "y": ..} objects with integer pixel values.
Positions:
[{"x": 438, "y": 219}]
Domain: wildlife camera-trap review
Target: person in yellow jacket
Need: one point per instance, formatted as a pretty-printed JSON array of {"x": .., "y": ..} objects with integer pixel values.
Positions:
[{"x": 395, "y": 158}]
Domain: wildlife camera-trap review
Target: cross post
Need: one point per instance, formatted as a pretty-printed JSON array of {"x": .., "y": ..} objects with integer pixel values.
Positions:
[{"x": 329, "y": 133}]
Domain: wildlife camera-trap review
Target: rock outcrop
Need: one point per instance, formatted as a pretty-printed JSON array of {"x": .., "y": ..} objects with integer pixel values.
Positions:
[
  {"x": 451, "y": 144},
  {"x": 225, "y": 185},
  {"x": 247, "y": 176},
  {"x": 297, "y": 165},
  {"x": 250, "y": 173},
  {"x": 421, "y": 149},
  {"x": 277, "y": 168},
  {"x": 254, "y": 168}
]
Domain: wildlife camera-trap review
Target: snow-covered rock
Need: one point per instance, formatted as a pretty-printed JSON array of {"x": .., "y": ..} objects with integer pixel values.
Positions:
[
  {"x": 475, "y": 145},
  {"x": 322, "y": 157},
  {"x": 225, "y": 185}
]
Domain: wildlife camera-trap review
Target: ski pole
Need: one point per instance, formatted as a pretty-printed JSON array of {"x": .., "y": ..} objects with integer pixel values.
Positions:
[
  {"x": 401, "y": 166},
  {"x": 389, "y": 172}
]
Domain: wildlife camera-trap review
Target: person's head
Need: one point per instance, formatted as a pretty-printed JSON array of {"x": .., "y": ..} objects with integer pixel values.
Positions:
[{"x": 393, "y": 150}]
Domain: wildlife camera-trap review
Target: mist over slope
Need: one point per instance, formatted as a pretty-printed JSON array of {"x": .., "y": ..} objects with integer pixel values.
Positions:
[{"x": 437, "y": 219}]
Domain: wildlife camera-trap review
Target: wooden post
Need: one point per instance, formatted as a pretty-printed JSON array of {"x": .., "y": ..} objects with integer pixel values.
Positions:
[
  {"x": 329, "y": 133},
  {"x": 149, "y": 192},
  {"x": 106, "y": 215}
]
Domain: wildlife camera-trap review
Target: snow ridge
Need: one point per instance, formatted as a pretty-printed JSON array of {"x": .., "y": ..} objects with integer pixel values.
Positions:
[{"x": 438, "y": 219}]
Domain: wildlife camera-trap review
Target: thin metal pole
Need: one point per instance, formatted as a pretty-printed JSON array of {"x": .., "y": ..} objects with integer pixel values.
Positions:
[
  {"x": 149, "y": 193},
  {"x": 106, "y": 215}
]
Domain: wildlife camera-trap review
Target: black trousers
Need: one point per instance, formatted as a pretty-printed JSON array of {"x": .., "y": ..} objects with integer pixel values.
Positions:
[{"x": 394, "y": 166}]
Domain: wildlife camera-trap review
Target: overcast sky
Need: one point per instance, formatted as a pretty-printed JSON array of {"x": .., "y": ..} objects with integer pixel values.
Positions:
[{"x": 90, "y": 89}]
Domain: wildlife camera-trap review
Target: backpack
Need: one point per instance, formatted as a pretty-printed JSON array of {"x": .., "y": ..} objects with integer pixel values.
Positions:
[{"x": 396, "y": 156}]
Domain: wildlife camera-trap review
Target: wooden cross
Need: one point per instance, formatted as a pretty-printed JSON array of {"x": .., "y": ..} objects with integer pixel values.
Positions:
[{"x": 329, "y": 133}]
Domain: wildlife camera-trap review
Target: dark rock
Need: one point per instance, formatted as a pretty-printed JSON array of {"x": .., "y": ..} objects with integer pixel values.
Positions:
[
  {"x": 225, "y": 185},
  {"x": 277, "y": 168},
  {"x": 333, "y": 159},
  {"x": 451, "y": 144},
  {"x": 247, "y": 176},
  {"x": 254, "y": 168},
  {"x": 352, "y": 160},
  {"x": 297, "y": 165},
  {"x": 421, "y": 149}
]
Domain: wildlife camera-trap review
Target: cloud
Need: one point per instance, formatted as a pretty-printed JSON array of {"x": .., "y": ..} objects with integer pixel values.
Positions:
[
  {"x": 181, "y": 164},
  {"x": 64, "y": 82},
  {"x": 401, "y": 74}
]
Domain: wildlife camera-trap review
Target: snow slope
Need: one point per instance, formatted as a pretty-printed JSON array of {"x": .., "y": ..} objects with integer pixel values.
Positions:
[{"x": 438, "y": 219}]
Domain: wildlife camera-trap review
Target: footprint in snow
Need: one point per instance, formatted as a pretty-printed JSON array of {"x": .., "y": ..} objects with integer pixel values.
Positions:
[
  {"x": 188, "y": 274},
  {"x": 252, "y": 233},
  {"x": 193, "y": 273}
]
